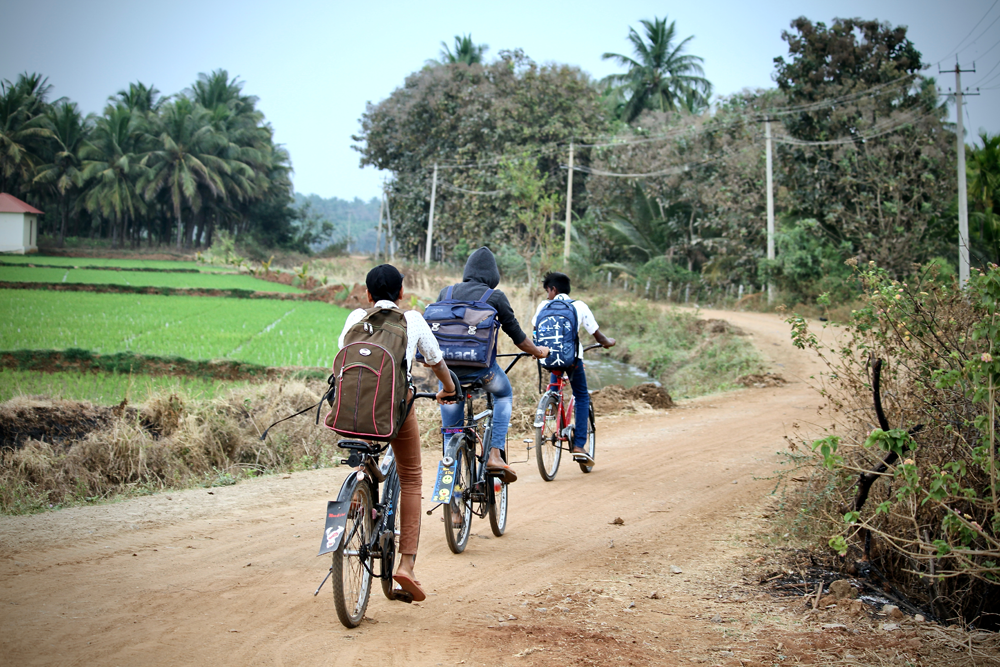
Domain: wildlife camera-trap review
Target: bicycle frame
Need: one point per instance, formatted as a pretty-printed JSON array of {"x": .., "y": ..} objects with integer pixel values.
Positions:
[
  {"x": 476, "y": 427},
  {"x": 566, "y": 406}
]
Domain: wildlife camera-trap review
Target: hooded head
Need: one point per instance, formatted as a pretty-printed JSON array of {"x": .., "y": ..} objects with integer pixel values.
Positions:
[{"x": 481, "y": 267}]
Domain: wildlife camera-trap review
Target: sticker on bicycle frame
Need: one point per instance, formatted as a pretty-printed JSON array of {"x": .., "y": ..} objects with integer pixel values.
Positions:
[
  {"x": 336, "y": 523},
  {"x": 452, "y": 430},
  {"x": 444, "y": 486}
]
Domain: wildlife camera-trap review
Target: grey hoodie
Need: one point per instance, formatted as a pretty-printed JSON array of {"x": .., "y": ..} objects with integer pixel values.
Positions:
[{"x": 481, "y": 273}]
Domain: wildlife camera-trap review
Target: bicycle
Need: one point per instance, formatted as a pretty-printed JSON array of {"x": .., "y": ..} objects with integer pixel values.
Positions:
[
  {"x": 463, "y": 485},
  {"x": 360, "y": 532},
  {"x": 555, "y": 421}
]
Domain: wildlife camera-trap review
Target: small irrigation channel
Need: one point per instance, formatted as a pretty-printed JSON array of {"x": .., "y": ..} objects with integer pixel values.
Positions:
[{"x": 607, "y": 371}]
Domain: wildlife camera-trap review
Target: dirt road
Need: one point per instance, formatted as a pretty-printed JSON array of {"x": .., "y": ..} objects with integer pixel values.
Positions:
[{"x": 225, "y": 576}]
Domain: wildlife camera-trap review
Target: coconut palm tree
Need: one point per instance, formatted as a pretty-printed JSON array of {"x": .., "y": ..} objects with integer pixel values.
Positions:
[
  {"x": 112, "y": 169},
  {"x": 190, "y": 164},
  {"x": 466, "y": 52},
  {"x": 983, "y": 170},
  {"x": 23, "y": 130},
  {"x": 140, "y": 98},
  {"x": 64, "y": 174},
  {"x": 661, "y": 76}
]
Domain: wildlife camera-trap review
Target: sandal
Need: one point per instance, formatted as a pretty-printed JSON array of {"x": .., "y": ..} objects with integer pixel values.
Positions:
[{"x": 411, "y": 586}]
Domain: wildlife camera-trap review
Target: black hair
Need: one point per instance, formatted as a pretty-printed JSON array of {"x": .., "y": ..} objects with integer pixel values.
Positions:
[
  {"x": 384, "y": 282},
  {"x": 558, "y": 280}
]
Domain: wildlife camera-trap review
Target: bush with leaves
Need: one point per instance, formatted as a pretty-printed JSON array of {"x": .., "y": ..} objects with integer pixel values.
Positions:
[{"x": 915, "y": 483}]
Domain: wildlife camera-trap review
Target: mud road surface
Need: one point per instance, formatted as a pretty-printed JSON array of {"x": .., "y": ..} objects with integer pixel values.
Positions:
[{"x": 225, "y": 576}]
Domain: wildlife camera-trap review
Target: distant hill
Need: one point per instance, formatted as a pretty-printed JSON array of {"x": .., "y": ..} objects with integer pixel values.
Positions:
[{"x": 357, "y": 219}]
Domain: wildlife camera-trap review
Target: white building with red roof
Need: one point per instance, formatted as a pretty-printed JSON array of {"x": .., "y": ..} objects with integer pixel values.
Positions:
[{"x": 18, "y": 225}]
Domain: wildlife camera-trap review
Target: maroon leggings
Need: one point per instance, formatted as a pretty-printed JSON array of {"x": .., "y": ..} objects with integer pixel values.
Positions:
[{"x": 406, "y": 448}]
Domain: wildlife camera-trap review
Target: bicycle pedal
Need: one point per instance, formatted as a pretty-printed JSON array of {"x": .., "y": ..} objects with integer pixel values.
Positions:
[{"x": 402, "y": 596}]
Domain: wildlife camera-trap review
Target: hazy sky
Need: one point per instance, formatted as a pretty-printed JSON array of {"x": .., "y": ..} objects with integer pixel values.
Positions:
[{"x": 314, "y": 65}]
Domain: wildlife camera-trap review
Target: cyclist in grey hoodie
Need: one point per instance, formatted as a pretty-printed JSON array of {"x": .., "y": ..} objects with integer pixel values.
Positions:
[{"x": 481, "y": 273}]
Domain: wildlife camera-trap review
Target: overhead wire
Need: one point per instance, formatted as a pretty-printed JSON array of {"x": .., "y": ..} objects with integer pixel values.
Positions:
[{"x": 978, "y": 23}]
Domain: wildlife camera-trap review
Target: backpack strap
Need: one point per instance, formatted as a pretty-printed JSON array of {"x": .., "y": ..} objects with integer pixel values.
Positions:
[
  {"x": 447, "y": 293},
  {"x": 486, "y": 295}
]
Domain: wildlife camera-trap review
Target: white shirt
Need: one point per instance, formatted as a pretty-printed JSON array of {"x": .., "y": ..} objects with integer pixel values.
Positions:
[
  {"x": 584, "y": 317},
  {"x": 418, "y": 334}
]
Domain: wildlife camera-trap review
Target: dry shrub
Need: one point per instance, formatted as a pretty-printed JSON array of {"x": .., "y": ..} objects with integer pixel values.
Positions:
[
  {"x": 929, "y": 525},
  {"x": 169, "y": 442}
]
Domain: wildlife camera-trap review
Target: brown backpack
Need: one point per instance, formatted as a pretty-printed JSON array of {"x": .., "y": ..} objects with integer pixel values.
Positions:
[{"x": 369, "y": 378}]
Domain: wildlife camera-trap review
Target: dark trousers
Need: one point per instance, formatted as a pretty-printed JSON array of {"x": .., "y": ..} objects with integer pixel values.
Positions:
[{"x": 578, "y": 382}]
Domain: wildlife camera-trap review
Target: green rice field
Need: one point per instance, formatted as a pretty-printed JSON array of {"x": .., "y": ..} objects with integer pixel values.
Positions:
[
  {"x": 106, "y": 388},
  {"x": 141, "y": 279},
  {"x": 111, "y": 263},
  {"x": 260, "y": 331}
]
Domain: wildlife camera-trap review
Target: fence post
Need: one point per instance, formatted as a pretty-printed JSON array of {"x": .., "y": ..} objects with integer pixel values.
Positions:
[
  {"x": 647, "y": 288},
  {"x": 740, "y": 293},
  {"x": 670, "y": 289},
  {"x": 609, "y": 280},
  {"x": 687, "y": 293},
  {"x": 656, "y": 293},
  {"x": 626, "y": 284}
]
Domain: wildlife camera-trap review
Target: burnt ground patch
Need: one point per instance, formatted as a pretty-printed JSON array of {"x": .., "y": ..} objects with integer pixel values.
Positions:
[{"x": 54, "y": 421}]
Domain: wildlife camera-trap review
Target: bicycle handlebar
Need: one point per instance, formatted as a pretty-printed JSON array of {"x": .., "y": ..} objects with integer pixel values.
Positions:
[{"x": 592, "y": 346}]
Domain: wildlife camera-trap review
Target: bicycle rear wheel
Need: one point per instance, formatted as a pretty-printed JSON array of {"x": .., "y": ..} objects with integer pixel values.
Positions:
[
  {"x": 390, "y": 541},
  {"x": 352, "y": 577},
  {"x": 547, "y": 449},
  {"x": 591, "y": 445},
  {"x": 458, "y": 510},
  {"x": 498, "y": 502}
]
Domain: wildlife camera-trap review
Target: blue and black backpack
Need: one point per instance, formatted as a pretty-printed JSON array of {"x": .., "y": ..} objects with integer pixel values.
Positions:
[{"x": 556, "y": 327}]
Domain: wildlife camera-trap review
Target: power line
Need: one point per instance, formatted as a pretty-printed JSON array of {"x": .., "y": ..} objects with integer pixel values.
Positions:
[{"x": 978, "y": 23}]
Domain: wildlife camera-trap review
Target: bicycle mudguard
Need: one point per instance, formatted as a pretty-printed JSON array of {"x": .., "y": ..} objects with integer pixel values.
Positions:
[
  {"x": 336, "y": 522},
  {"x": 444, "y": 485}
]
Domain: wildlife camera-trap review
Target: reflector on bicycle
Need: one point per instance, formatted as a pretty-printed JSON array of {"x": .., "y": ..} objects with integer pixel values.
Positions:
[
  {"x": 336, "y": 522},
  {"x": 445, "y": 484}
]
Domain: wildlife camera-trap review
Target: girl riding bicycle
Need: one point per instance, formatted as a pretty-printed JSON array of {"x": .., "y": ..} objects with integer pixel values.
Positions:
[{"x": 385, "y": 289}]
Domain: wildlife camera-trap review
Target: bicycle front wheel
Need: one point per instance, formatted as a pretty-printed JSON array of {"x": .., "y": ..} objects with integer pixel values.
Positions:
[
  {"x": 591, "y": 445},
  {"x": 497, "y": 494},
  {"x": 547, "y": 450},
  {"x": 458, "y": 510},
  {"x": 352, "y": 577}
]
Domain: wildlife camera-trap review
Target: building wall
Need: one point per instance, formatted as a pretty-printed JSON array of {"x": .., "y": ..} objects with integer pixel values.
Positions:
[
  {"x": 14, "y": 232},
  {"x": 30, "y": 232}
]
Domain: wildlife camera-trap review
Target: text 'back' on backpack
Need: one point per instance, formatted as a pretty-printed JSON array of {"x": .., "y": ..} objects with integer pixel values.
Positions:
[
  {"x": 466, "y": 331},
  {"x": 556, "y": 327},
  {"x": 369, "y": 378}
]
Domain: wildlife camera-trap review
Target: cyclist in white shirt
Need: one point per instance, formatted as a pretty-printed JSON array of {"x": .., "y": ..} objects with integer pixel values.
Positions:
[
  {"x": 385, "y": 290},
  {"x": 557, "y": 286}
]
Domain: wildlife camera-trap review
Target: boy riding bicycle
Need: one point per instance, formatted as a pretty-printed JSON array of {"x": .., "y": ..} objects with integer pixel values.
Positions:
[
  {"x": 482, "y": 274},
  {"x": 557, "y": 287},
  {"x": 385, "y": 289}
]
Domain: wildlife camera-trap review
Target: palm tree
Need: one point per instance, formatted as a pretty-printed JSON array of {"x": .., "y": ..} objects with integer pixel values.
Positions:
[
  {"x": 661, "y": 76},
  {"x": 187, "y": 165},
  {"x": 983, "y": 169},
  {"x": 23, "y": 129},
  {"x": 140, "y": 98},
  {"x": 112, "y": 168},
  {"x": 64, "y": 174},
  {"x": 466, "y": 52}
]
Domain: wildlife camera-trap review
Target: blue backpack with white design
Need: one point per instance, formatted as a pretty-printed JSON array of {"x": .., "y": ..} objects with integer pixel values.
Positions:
[{"x": 556, "y": 328}]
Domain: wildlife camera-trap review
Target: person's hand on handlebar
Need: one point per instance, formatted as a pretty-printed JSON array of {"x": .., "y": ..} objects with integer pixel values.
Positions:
[
  {"x": 538, "y": 352},
  {"x": 604, "y": 340},
  {"x": 449, "y": 383}
]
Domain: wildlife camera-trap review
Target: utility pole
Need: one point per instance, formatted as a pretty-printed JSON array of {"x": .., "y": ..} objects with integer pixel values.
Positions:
[
  {"x": 378, "y": 231},
  {"x": 963, "y": 191},
  {"x": 390, "y": 238},
  {"x": 569, "y": 206},
  {"x": 348, "y": 232},
  {"x": 770, "y": 208},
  {"x": 430, "y": 222}
]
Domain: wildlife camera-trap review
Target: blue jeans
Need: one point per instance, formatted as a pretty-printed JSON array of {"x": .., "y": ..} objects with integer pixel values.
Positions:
[
  {"x": 578, "y": 381},
  {"x": 494, "y": 382}
]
